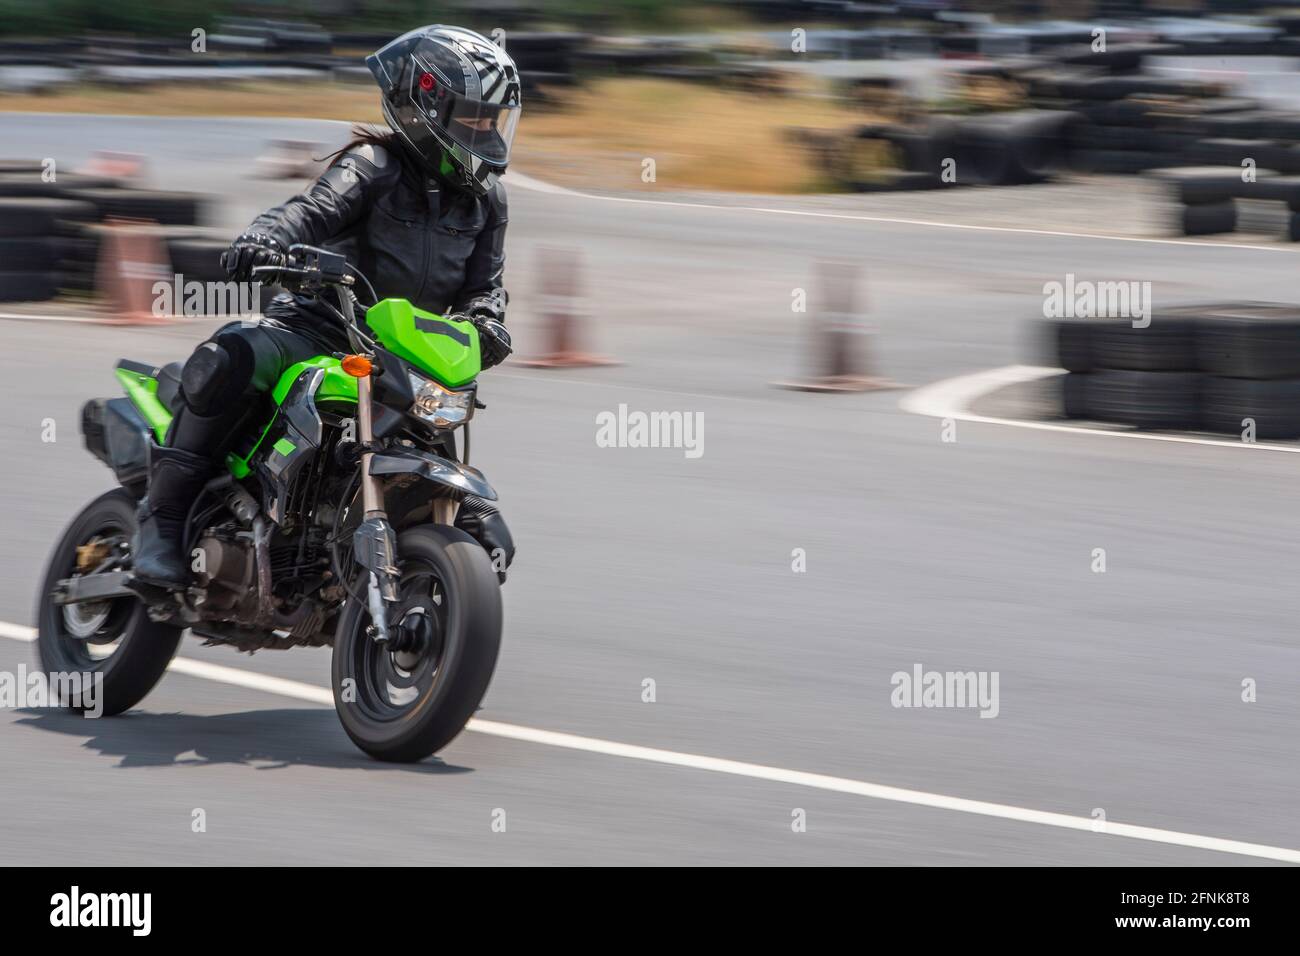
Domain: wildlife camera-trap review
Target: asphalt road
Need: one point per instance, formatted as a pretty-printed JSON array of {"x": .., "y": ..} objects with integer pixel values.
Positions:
[{"x": 1119, "y": 691}]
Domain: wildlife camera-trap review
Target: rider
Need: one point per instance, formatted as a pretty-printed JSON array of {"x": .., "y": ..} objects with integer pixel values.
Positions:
[{"x": 418, "y": 209}]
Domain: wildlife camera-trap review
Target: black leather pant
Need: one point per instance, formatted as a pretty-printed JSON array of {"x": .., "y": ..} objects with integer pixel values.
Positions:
[{"x": 222, "y": 380}]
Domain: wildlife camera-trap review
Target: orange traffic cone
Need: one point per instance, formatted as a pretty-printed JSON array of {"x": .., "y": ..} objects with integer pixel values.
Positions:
[
  {"x": 132, "y": 259},
  {"x": 560, "y": 313},
  {"x": 839, "y": 339}
]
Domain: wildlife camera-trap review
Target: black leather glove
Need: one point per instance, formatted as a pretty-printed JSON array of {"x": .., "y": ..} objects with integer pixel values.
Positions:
[
  {"x": 493, "y": 340},
  {"x": 249, "y": 251}
]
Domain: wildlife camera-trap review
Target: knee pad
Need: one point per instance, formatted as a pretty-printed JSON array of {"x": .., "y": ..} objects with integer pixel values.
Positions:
[
  {"x": 203, "y": 377},
  {"x": 217, "y": 374}
]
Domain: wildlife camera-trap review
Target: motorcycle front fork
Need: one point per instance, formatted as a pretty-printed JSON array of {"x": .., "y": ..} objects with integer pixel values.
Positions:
[{"x": 374, "y": 543}]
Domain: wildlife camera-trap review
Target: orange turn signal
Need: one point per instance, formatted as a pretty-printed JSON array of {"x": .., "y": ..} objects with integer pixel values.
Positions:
[{"x": 358, "y": 366}]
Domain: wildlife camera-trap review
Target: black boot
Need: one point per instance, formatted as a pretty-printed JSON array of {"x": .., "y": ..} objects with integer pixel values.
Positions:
[{"x": 175, "y": 479}]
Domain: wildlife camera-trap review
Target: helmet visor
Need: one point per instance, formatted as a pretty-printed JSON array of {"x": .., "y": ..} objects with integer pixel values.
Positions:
[{"x": 486, "y": 129}]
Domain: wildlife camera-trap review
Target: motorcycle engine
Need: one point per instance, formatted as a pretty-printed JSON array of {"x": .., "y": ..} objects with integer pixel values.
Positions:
[{"x": 225, "y": 567}]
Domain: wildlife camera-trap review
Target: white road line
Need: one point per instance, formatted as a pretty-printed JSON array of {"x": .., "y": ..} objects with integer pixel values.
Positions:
[
  {"x": 952, "y": 397},
  {"x": 17, "y": 632},
  {"x": 321, "y": 695},
  {"x": 527, "y": 182}
]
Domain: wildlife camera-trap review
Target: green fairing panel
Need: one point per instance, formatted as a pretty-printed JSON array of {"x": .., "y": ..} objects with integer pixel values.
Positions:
[
  {"x": 143, "y": 392},
  {"x": 335, "y": 385},
  {"x": 446, "y": 349}
]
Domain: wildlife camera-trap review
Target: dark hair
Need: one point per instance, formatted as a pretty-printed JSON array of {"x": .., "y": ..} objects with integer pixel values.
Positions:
[{"x": 364, "y": 134}]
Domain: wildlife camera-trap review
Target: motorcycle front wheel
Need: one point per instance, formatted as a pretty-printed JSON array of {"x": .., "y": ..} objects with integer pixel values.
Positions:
[{"x": 408, "y": 698}]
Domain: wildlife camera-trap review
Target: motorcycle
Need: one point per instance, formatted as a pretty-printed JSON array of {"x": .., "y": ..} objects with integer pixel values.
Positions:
[{"x": 332, "y": 524}]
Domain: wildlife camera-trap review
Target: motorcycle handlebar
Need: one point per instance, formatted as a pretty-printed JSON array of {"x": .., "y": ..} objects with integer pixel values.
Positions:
[
  {"x": 310, "y": 266},
  {"x": 312, "y": 271}
]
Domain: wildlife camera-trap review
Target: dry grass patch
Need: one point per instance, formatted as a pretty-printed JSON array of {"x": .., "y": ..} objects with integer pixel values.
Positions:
[{"x": 594, "y": 136}]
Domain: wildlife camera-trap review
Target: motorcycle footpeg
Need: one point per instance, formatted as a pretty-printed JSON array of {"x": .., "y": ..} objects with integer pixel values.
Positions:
[
  {"x": 161, "y": 601},
  {"x": 152, "y": 592}
]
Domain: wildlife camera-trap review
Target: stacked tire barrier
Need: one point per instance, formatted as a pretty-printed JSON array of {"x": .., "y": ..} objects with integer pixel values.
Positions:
[
  {"x": 1228, "y": 369},
  {"x": 1207, "y": 198},
  {"x": 50, "y": 232},
  {"x": 35, "y": 246},
  {"x": 1087, "y": 112},
  {"x": 993, "y": 149}
]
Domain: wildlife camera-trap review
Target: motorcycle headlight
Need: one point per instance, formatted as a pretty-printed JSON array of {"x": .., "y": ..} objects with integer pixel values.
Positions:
[{"x": 440, "y": 407}]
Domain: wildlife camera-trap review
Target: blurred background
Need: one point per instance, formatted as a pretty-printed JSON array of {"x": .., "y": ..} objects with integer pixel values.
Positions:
[
  {"x": 816, "y": 95},
  {"x": 749, "y": 96},
  {"x": 845, "y": 197}
]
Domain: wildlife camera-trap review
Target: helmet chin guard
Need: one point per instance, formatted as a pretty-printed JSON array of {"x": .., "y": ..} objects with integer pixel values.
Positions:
[{"x": 454, "y": 96}]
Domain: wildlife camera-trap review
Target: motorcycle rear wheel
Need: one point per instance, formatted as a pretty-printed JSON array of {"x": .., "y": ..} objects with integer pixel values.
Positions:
[{"x": 114, "y": 641}]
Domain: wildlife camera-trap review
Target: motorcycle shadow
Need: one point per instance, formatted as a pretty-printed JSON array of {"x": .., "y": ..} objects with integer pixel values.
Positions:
[{"x": 260, "y": 739}]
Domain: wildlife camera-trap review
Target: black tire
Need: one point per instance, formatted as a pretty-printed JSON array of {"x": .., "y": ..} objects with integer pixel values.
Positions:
[
  {"x": 1145, "y": 399},
  {"x": 449, "y": 677},
  {"x": 914, "y": 151},
  {"x": 165, "y": 208},
  {"x": 1265, "y": 154},
  {"x": 1257, "y": 343},
  {"x": 1204, "y": 185},
  {"x": 1119, "y": 87},
  {"x": 35, "y": 253},
  {"x": 1130, "y": 113},
  {"x": 145, "y": 647},
  {"x": 919, "y": 151},
  {"x": 1071, "y": 342},
  {"x": 984, "y": 150},
  {"x": 1209, "y": 219},
  {"x": 1115, "y": 161},
  {"x": 1097, "y": 136},
  {"x": 75, "y": 280},
  {"x": 1278, "y": 189},
  {"x": 1040, "y": 143},
  {"x": 1119, "y": 58},
  {"x": 1274, "y": 406},
  {"x": 1074, "y": 395},
  {"x": 1167, "y": 344},
  {"x": 28, "y": 286},
  {"x": 18, "y": 185},
  {"x": 40, "y": 217},
  {"x": 77, "y": 252}
]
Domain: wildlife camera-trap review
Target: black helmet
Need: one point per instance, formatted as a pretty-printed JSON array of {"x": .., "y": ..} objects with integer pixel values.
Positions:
[{"x": 453, "y": 95}]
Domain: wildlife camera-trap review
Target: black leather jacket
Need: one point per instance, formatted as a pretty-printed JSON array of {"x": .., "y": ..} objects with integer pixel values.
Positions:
[{"x": 412, "y": 235}]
